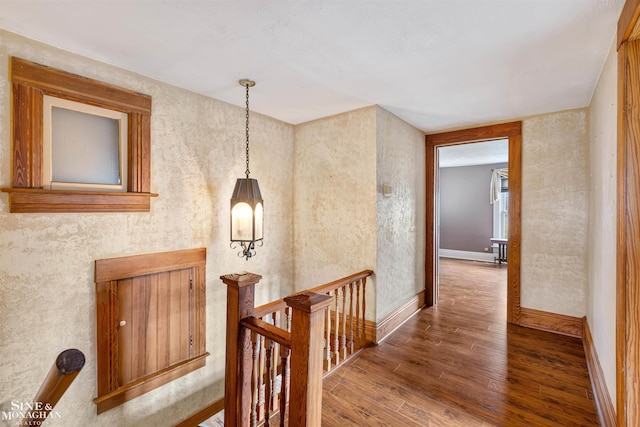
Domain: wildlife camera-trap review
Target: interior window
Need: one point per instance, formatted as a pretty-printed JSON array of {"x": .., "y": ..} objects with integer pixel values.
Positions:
[
  {"x": 501, "y": 212},
  {"x": 83, "y": 146}
]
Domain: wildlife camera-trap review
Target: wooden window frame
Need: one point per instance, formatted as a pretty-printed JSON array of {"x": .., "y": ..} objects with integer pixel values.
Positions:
[
  {"x": 107, "y": 274},
  {"x": 30, "y": 82}
]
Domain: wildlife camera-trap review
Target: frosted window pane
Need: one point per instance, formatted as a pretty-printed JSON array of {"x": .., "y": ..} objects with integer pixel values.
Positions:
[
  {"x": 84, "y": 148},
  {"x": 259, "y": 221},
  {"x": 241, "y": 226}
]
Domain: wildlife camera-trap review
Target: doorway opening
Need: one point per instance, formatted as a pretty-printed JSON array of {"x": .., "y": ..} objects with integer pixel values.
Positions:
[
  {"x": 512, "y": 132},
  {"x": 472, "y": 226}
]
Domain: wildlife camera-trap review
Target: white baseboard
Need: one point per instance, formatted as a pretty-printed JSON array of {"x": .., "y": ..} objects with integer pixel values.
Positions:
[{"x": 473, "y": 256}]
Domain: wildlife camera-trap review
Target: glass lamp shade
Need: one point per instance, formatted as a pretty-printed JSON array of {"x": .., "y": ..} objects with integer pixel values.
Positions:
[{"x": 246, "y": 211}]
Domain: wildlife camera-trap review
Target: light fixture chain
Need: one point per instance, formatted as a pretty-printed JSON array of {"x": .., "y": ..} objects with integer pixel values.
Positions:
[{"x": 247, "y": 132}]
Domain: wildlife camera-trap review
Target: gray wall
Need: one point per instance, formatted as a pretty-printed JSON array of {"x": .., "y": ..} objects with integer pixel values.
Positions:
[{"x": 466, "y": 216}]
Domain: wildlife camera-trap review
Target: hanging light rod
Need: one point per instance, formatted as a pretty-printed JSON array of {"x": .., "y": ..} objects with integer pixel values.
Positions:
[{"x": 247, "y": 216}]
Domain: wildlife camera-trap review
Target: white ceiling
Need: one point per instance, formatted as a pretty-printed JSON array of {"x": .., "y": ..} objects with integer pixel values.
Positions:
[
  {"x": 437, "y": 64},
  {"x": 479, "y": 153}
]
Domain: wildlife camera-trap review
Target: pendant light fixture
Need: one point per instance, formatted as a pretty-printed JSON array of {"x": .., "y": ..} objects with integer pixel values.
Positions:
[{"x": 246, "y": 203}]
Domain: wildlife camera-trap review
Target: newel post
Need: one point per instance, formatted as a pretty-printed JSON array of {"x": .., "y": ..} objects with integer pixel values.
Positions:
[
  {"x": 307, "y": 328},
  {"x": 237, "y": 379}
]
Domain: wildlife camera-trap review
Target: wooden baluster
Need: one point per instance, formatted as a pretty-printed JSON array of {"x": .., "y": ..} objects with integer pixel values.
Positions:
[
  {"x": 358, "y": 333},
  {"x": 336, "y": 337},
  {"x": 327, "y": 339},
  {"x": 261, "y": 385},
  {"x": 274, "y": 366},
  {"x": 267, "y": 383},
  {"x": 351, "y": 349},
  {"x": 238, "y": 364},
  {"x": 305, "y": 403},
  {"x": 287, "y": 312},
  {"x": 364, "y": 309},
  {"x": 343, "y": 336},
  {"x": 284, "y": 354},
  {"x": 288, "y": 370},
  {"x": 255, "y": 384}
]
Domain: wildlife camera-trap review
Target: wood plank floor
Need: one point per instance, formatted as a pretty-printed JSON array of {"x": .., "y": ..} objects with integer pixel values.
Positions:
[{"x": 459, "y": 364}]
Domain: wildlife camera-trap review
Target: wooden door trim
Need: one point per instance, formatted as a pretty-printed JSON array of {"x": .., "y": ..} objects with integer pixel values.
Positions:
[
  {"x": 513, "y": 132},
  {"x": 628, "y": 219}
]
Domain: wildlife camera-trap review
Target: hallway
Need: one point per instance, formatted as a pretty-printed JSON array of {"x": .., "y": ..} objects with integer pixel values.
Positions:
[{"x": 459, "y": 364}]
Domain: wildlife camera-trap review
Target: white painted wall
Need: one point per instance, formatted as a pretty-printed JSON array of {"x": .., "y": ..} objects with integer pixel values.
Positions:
[
  {"x": 554, "y": 212},
  {"x": 601, "y": 289},
  {"x": 47, "y": 294},
  {"x": 401, "y": 216}
]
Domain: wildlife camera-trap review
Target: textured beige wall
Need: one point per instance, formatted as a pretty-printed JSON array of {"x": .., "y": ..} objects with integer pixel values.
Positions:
[
  {"x": 334, "y": 199},
  {"x": 47, "y": 294},
  {"x": 601, "y": 290},
  {"x": 554, "y": 212},
  {"x": 401, "y": 216}
]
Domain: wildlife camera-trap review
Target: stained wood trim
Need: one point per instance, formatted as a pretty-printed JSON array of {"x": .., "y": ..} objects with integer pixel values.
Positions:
[
  {"x": 77, "y": 88},
  {"x": 628, "y": 231},
  {"x": 512, "y": 131},
  {"x": 127, "y": 282},
  {"x": 551, "y": 322},
  {"x": 370, "y": 332},
  {"x": 621, "y": 247},
  {"x": 203, "y": 415},
  {"x": 27, "y": 137},
  {"x": 431, "y": 246},
  {"x": 139, "y": 265},
  {"x": 604, "y": 405},
  {"x": 148, "y": 383},
  {"x": 139, "y": 152},
  {"x": 477, "y": 134},
  {"x": 30, "y": 82},
  {"x": 32, "y": 200},
  {"x": 397, "y": 317},
  {"x": 628, "y": 20},
  {"x": 515, "y": 228}
]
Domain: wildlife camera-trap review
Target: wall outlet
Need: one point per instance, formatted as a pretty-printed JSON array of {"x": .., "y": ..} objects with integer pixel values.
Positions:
[{"x": 486, "y": 249}]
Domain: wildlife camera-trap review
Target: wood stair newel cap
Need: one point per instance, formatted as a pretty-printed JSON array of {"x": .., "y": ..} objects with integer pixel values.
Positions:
[
  {"x": 308, "y": 301},
  {"x": 240, "y": 280}
]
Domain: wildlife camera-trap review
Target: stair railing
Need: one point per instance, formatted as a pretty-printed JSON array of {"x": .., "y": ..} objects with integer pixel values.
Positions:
[
  {"x": 277, "y": 353},
  {"x": 64, "y": 370},
  {"x": 304, "y": 342},
  {"x": 345, "y": 330}
]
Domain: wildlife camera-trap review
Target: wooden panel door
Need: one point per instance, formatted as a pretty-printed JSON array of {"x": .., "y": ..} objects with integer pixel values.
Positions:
[
  {"x": 151, "y": 322},
  {"x": 156, "y": 322}
]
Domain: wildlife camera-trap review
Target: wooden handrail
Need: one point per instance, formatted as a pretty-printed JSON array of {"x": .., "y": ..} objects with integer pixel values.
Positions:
[
  {"x": 269, "y": 308},
  {"x": 267, "y": 330},
  {"x": 279, "y": 304},
  {"x": 332, "y": 286},
  {"x": 64, "y": 370}
]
